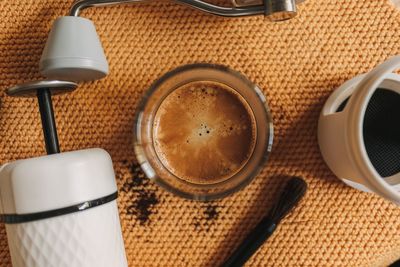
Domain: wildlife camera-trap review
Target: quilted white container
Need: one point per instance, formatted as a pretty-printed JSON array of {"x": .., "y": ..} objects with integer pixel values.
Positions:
[{"x": 61, "y": 210}]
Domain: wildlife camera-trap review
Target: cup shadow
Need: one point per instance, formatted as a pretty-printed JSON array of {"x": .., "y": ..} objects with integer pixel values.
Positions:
[{"x": 297, "y": 147}]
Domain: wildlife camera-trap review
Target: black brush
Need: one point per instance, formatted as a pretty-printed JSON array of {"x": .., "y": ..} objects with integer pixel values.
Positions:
[{"x": 291, "y": 195}]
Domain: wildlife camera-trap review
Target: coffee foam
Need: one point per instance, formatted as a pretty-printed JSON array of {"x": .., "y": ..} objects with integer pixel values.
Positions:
[{"x": 204, "y": 132}]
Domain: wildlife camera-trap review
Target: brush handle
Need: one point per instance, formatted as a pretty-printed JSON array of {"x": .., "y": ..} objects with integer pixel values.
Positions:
[{"x": 251, "y": 243}]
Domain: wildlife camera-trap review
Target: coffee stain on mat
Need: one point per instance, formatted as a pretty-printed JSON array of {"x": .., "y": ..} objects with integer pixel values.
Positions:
[{"x": 144, "y": 198}]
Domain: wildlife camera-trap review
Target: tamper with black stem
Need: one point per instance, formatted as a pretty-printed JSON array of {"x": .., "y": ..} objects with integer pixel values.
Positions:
[{"x": 60, "y": 209}]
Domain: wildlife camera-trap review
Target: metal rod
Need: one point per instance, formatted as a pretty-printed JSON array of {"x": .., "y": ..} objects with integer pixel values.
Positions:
[
  {"x": 223, "y": 11},
  {"x": 48, "y": 121},
  {"x": 78, "y": 6}
]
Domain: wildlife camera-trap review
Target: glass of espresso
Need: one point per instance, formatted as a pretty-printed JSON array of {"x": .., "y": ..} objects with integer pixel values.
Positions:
[{"x": 203, "y": 131}]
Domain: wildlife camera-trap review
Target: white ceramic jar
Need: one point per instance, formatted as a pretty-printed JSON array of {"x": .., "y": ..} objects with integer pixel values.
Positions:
[
  {"x": 341, "y": 133},
  {"x": 61, "y": 210}
]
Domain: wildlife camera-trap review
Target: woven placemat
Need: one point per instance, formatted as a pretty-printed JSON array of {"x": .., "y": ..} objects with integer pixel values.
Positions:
[{"x": 297, "y": 63}]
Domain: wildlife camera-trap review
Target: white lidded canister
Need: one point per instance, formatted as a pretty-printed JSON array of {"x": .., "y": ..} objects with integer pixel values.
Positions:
[{"x": 61, "y": 210}]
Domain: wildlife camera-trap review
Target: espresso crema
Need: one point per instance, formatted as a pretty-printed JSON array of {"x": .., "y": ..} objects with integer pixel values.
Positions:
[{"x": 204, "y": 132}]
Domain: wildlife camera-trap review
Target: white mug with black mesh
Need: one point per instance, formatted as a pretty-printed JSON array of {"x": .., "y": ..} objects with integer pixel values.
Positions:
[{"x": 358, "y": 131}]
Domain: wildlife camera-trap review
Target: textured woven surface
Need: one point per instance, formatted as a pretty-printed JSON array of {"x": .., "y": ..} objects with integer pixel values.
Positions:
[{"x": 297, "y": 63}]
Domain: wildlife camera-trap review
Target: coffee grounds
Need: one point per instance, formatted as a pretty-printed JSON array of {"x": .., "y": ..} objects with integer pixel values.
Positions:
[
  {"x": 142, "y": 207},
  {"x": 144, "y": 199},
  {"x": 211, "y": 212},
  {"x": 208, "y": 217}
]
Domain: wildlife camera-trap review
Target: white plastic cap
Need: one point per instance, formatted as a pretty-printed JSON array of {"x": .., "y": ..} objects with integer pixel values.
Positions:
[
  {"x": 73, "y": 51},
  {"x": 55, "y": 181}
]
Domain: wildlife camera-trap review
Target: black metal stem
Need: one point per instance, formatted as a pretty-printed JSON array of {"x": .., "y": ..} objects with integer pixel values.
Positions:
[{"x": 48, "y": 121}]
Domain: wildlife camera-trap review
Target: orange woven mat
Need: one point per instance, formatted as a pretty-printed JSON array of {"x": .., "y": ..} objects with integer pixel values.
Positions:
[{"x": 297, "y": 63}]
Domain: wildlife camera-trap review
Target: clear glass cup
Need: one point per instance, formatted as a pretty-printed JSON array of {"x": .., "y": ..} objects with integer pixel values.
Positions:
[{"x": 144, "y": 139}]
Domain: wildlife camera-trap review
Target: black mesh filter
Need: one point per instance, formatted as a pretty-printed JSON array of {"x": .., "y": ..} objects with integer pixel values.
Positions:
[{"x": 381, "y": 131}]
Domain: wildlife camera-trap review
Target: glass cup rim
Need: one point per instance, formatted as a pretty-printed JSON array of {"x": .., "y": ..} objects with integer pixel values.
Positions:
[{"x": 144, "y": 159}]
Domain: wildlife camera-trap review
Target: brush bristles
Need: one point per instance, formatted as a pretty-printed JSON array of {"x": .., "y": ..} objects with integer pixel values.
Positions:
[{"x": 294, "y": 190}]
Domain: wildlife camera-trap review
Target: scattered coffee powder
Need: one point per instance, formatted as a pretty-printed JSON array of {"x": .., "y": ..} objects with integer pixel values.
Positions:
[
  {"x": 211, "y": 212},
  {"x": 144, "y": 198},
  {"x": 207, "y": 217}
]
